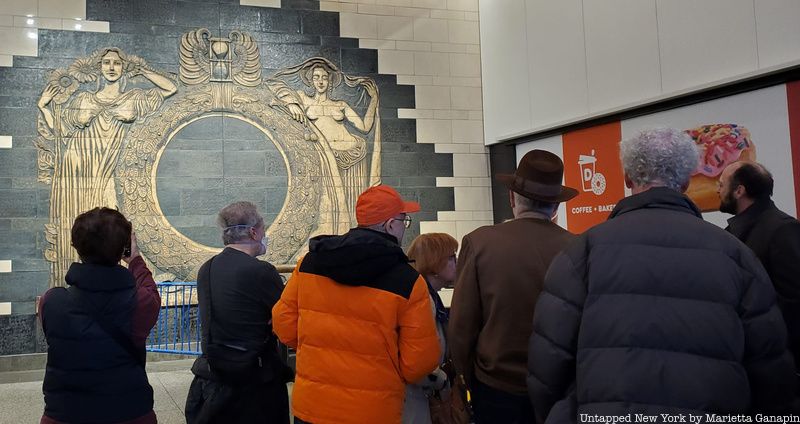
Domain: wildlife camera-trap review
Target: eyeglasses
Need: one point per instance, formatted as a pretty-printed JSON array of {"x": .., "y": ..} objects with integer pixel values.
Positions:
[{"x": 406, "y": 221}]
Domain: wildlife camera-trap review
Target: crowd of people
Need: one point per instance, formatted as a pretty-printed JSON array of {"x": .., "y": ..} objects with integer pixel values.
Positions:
[{"x": 653, "y": 312}]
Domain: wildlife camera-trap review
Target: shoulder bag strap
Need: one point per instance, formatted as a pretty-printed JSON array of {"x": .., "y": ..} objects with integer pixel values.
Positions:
[{"x": 115, "y": 332}]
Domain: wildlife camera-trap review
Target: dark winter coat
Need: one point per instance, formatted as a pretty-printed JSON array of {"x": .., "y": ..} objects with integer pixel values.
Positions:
[
  {"x": 90, "y": 378},
  {"x": 657, "y": 311},
  {"x": 775, "y": 238}
]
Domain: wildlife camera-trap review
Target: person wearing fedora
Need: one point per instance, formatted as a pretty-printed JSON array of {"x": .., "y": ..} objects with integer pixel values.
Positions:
[
  {"x": 501, "y": 270},
  {"x": 656, "y": 311},
  {"x": 360, "y": 319}
]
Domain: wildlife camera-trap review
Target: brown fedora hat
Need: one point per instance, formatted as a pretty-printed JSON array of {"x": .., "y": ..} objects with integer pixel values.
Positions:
[{"x": 538, "y": 177}]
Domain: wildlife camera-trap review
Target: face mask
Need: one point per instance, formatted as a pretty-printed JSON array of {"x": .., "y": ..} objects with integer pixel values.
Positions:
[{"x": 264, "y": 242}]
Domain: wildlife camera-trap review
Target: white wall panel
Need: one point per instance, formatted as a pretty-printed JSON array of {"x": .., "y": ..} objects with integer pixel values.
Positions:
[
  {"x": 778, "y": 31},
  {"x": 621, "y": 52},
  {"x": 556, "y": 61},
  {"x": 705, "y": 41},
  {"x": 504, "y": 67}
]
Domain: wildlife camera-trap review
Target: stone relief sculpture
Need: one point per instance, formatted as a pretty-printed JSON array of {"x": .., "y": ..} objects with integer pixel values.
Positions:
[
  {"x": 100, "y": 142},
  {"x": 81, "y": 134},
  {"x": 345, "y": 152}
]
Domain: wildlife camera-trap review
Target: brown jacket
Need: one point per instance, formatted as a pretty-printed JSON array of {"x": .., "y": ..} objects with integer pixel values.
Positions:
[{"x": 501, "y": 271}]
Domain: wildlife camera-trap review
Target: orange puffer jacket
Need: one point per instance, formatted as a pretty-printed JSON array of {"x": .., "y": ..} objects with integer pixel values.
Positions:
[{"x": 360, "y": 318}]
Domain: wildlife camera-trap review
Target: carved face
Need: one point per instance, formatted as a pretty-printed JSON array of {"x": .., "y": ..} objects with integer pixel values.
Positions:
[
  {"x": 111, "y": 65},
  {"x": 320, "y": 79}
]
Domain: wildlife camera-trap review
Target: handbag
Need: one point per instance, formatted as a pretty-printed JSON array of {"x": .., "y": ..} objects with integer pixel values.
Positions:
[
  {"x": 451, "y": 406},
  {"x": 228, "y": 362}
]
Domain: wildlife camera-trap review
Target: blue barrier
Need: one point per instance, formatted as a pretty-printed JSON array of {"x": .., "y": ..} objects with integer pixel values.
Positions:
[{"x": 178, "y": 327}]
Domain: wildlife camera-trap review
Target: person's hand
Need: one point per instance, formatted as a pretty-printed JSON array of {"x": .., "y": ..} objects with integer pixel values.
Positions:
[
  {"x": 134, "y": 250},
  {"x": 296, "y": 112},
  {"x": 47, "y": 95}
]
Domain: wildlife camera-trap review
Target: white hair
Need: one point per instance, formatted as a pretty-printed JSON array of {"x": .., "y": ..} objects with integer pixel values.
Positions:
[
  {"x": 524, "y": 204},
  {"x": 659, "y": 157}
]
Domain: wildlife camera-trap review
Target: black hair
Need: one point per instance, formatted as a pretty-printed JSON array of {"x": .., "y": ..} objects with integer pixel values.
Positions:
[{"x": 757, "y": 181}]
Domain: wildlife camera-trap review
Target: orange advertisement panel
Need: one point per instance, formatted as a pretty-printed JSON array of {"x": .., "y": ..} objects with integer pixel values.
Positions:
[{"x": 592, "y": 166}]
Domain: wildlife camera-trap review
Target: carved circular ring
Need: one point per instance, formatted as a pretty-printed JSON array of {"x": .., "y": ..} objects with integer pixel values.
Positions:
[{"x": 162, "y": 244}]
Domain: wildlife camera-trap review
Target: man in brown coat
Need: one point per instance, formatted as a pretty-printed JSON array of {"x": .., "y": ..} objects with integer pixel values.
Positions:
[{"x": 501, "y": 270}]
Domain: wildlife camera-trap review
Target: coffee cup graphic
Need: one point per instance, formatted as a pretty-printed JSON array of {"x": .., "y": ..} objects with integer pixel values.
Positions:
[{"x": 592, "y": 180}]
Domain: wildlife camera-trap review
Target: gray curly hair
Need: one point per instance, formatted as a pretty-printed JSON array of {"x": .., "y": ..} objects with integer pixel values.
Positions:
[
  {"x": 659, "y": 157},
  {"x": 236, "y": 220}
]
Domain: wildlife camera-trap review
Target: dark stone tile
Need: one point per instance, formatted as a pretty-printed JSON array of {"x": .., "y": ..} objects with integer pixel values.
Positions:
[
  {"x": 5, "y": 184},
  {"x": 23, "y": 308},
  {"x": 398, "y": 130},
  {"x": 108, "y": 10},
  {"x": 300, "y": 4},
  {"x": 149, "y": 29},
  {"x": 17, "y": 334},
  {"x": 278, "y": 38},
  {"x": 396, "y": 96},
  {"x": 276, "y": 181},
  {"x": 180, "y": 143},
  {"x": 208, "y": 236},
  {"x": 388, "y": 113},
  {"x": 74, "y": 44},
  {"x": 243, "y": 18},
  {"x": 16, "y": 204},
  {"x": 168, "y": 197},
  {"x": 262, "y": 144},
  {"x": 399, "y": 164},
  {"x": 22, "y": 82},
  {"x": 321, "y": 23},
  {"x": 359, "y": 61},
  {"x": 236, "y": 129},
  {"x": 26, "y": 265},
  {"x": 45, "y": 63},
  {"x": 349, "y": 43},
  {"x": 43, "y": 202},
  {"x": 202, "y": 201},
  {"x": 205, "y": 15},
  {"x": 245, "y": 164},
  {"x": 436, "y": 165},
  {"x": 203, "y": 129},
  {"x": 182, "y": 183},
  {"x": 279, "y": 20},
  {"x": 23, "y": 286},
  {"x": 19, "y": 162},
  {"x": 185, "y": 163},
  {"x": 18, "y": 102},
  {"x": 277, "y": 56},
  {"x": 416, "y": 182},
  {"x": 154, "y": 12},
  {"x": 437, "y": 198}
]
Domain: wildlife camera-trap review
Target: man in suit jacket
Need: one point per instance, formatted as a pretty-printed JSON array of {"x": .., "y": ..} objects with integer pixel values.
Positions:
[
  {"x": 745, "y": 189},
  {"x": 501, "y": 270}
]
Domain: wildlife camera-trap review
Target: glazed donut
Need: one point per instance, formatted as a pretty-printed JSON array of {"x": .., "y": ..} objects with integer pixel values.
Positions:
[{"x": 720, "y": 145}]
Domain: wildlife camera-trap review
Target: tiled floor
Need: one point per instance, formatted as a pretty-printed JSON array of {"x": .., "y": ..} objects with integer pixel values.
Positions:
[{"x": 22, "y": 402}]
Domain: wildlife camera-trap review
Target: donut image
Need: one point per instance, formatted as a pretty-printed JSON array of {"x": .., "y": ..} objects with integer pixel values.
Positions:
[{"x": 720, "y": 145}]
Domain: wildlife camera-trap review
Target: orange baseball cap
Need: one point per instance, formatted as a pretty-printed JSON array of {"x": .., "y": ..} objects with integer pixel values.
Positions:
[{"x": 378, "y": 204}]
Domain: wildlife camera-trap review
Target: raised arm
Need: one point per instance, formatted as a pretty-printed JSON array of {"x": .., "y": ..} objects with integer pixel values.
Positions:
[{"x": 369, "y": 117}]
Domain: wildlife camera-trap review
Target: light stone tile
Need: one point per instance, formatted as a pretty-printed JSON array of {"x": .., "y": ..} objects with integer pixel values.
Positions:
[
  {"x": 465, "y": 65},
  {"x": 330, "y": 6},
  {"x": 376, "y": 44},
  {"x": 447, "y": 14},
  {"x": 6, "y": 20},
  {"x": 466, "y": 98},
  {"x": 89, "y": 26},
  {"x": 451, "y": 114},
  {"x": 468, "y": 5},
  {"x": 358, "y": 26},
  {"x": 19, "y": 41},
  {"x": 451, "y": 148},
  {"x": 465, "y": 227},
  {"x": 414, "y": 12},
  {"x": 62, "y": 8},
  {"x": 476, "y": 115},
  {"x": 392, "y": 2},
  {"x": 5, "y": 266},
  {"x": 419, "y": 46},
  {"x": 348, "y": 8},
  {"x": 457, "y": 81},
  {"x": 395, "y": 28},
  {"x": 372, "y": 9},
  {"x": 5, "y": 308},
  {"x": 6, "y": 60},
  {"x": 427, "y": 63},
  {"x": 467, "y": 131},
  {"x": 19, "y": 7},
  {"x": 453, "y": 215},
  {"x": 25, "y": 22},
  {"x": 433, "y": 131},
  {"x": 430, "y": 4},
  {"x": 483, "y": 215},
  {"x": 5, "y": 142},
  {"x": 52, "y": 23},
  {"x": 473, "y": 49},
  {"x": 437, "y": 227},
  {"x": 478, "y": 148},
  {"x": 414, "y": 114},
  {"x": 471, "y": 16},
  {"x": 432, "y": 97},
  {"x": 449, "y": 48},
  {"x": 262, "y": 3},
  {"x": 395, "y": 62},
  {"x": 470, "y": 165},
  {"x": 414, "y": 80},
  {"x": 434, "y": 30},
  {"x": 452, "y": 182},
  {"x": 464, "y": 32}
]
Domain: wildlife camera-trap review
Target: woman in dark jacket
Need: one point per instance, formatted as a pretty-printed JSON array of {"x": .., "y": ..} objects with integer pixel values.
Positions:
[{"x": 97, "y": 327}]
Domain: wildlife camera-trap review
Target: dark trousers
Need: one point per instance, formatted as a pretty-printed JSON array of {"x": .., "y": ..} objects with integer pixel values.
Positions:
[
  {"x": 493, "y": 406},
  {"x": 299, "y": 421},
  {"x": 211, "y": 402}
]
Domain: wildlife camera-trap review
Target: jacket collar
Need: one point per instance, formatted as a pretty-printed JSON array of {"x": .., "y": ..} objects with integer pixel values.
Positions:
[
  {"x": 741, "y": 224},
  {"x": 99, "y": 278},
  {"x": 656, "y": 198}
]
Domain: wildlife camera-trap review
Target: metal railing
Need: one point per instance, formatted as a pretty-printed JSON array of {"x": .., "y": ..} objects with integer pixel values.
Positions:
[{"x": 178, "y": 327}]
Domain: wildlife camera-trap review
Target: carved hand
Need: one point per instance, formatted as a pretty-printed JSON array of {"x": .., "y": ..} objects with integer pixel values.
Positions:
[
  {"x": 47, "y": 95},
  {"x": 297, "y": 112}
]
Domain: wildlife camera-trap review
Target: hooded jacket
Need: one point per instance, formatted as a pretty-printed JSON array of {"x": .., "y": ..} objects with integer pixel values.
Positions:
[
  {"x": 360, "y": 319},
  {"x": 656, "y": 311}
]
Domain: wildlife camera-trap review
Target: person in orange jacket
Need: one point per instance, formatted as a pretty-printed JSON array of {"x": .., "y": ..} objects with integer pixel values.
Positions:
[{"x": 360, "y": 319}]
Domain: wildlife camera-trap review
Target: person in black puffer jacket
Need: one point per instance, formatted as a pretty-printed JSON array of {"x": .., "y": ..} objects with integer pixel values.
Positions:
[
  {"x": 656, "y": 311},
  {"x": 96, "y": 329}
]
